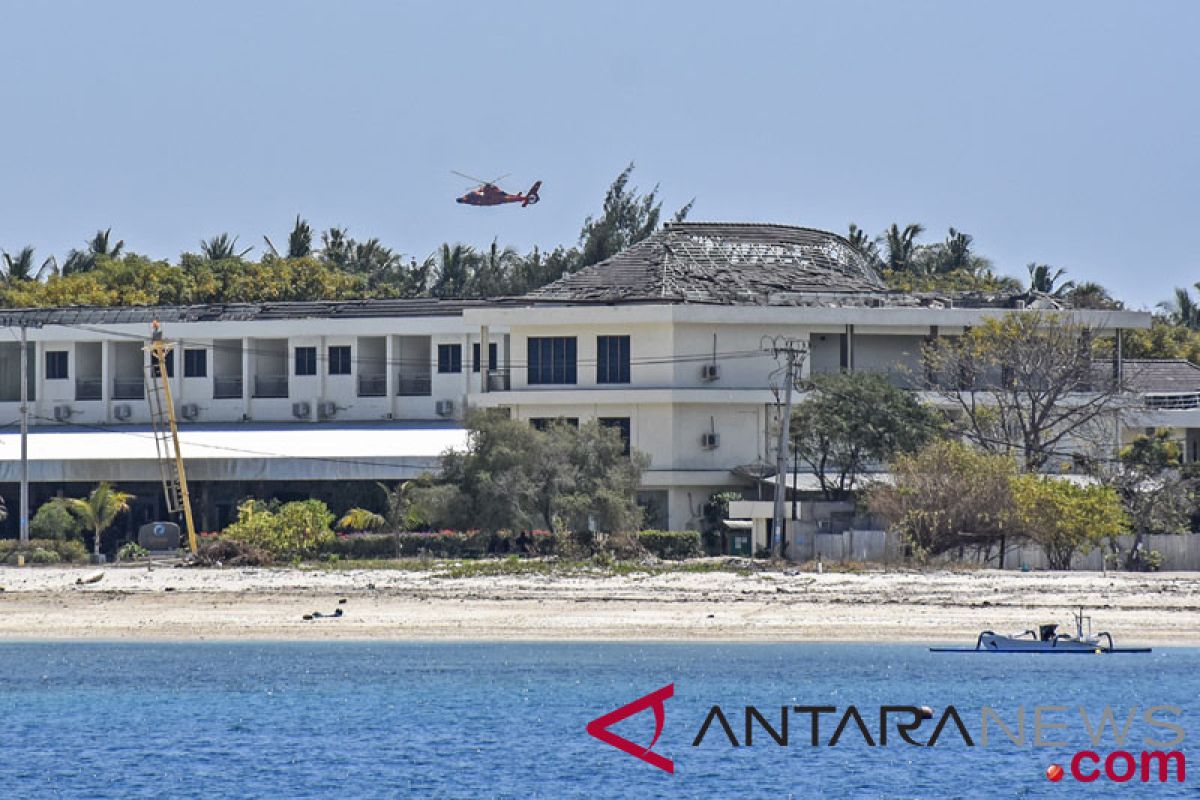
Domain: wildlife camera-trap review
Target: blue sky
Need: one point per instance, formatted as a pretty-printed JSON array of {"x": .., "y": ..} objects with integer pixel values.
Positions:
[{"x": 1058, "y": 132}]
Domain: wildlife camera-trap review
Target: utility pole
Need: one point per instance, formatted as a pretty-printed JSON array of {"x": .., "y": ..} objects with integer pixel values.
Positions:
[
  {"x": 24, "y": 539},
  {"x": 792, "y": 351}
]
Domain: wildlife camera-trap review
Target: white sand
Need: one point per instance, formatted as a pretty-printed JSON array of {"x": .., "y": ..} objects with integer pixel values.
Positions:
[{"x": 167, "y": 603}]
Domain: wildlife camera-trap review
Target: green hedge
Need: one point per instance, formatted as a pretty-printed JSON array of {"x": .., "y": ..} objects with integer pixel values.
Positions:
[
  {"x": 44, "y": 551},
  {"x": 672, "y": 545}
]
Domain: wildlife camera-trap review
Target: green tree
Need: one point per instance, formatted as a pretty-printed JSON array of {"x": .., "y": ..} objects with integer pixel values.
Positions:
[
  {"x": 866, "y": 247},
  {"x": 222, "y": 247},
  {"x": 456, "y": 266},
  {"x": 1162, "y": 340},
  {"x": 900, "y": 245},
  {"x": 361, "y": 519},
  {"x": 54, "y": 520},
  {"x": 946, "y": 497},
  {"x": 23, "y": 267},
  {"x": 294, "y": 530},
  {"x": 1045, "y": 281},
  {"x": 627, "y": 218},
  {"x": 1064, "y": 519},
  {"x": 100, "y": 509},
  {"x": 299, "y": 241},
  {"x": 99, "y": 246},
  {"x": 1090, "y": 294},
  {"x": 1182, "y": 309},
  {"x": 852, "y": 420}
]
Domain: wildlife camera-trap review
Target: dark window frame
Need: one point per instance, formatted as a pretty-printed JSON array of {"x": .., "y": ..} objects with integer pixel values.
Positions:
[
  {"x": 304, "y": 360},
  {"x": 552, "y": 360},
  {"x": 449, "y": 359},
  {"x": 493, "y": 357},
  {"x": 61, "y": 369},
  {"x": 612, "y": 359},
  {"x": 340, "y": 359},
  {"x": 195, "y": 362}
]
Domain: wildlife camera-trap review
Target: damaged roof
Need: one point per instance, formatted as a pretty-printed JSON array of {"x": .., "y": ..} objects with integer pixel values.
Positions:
[{"x": 724, "y": 264}]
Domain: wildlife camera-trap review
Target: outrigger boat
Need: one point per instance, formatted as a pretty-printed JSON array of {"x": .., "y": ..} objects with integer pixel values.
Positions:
[{"x": 1046, "y": 639}]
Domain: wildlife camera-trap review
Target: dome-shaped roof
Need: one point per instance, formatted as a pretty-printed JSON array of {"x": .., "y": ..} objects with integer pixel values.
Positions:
[{"x": 721, "y": 263}]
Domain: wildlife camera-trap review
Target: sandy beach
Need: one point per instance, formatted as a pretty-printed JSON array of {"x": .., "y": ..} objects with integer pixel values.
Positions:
[{"x": 160, "y": 602}]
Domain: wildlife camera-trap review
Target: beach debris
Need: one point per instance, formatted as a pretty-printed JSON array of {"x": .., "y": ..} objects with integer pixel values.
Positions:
[
  {"x": 99, "y": 576},
  {"x": 342, "y": 602},
  {"x": 318, "y": 615}
]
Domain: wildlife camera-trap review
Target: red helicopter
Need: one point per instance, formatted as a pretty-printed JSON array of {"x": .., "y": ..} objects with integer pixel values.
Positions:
[{"x": 487, "y": 193}]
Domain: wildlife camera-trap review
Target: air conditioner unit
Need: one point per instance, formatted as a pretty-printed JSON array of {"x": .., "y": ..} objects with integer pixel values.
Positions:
[
  {"x": 63, "y": 413},
  {"x": 327, "y": 410},
  {"x": 122, "y": 411},
  {"x": 445, "y": 408},
  {"x": 710, "y": 441},
  {"x": 189, "y": 411},
  {"x": 710, "y": 372},
  {"x": 301, "y": 410}
]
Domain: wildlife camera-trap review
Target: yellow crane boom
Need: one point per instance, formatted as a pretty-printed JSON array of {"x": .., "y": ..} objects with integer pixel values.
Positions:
[{"x": 166, "y": 431}]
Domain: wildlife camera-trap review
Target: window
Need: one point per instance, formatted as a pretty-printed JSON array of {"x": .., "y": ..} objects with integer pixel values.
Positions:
[
  {"x": 491, "y": 357},
  {"x": 619, "y": 423},
  {"x": 551, "y": 359},
  {"x": 306, "y": 361},
  {"x": 339, "y": 360},
  {"x": 612, "y": 359},
  {"x": 195, "y": 363},
  {"x": 56, "y": 365},
  {"x": 449, "y": 358},
  {"x": 170, "y": 362},
  {"x": 544, "y": 423}
]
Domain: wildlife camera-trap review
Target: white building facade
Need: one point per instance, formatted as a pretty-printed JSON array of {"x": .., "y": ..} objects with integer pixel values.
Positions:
[{"x": 668, "y": 341}]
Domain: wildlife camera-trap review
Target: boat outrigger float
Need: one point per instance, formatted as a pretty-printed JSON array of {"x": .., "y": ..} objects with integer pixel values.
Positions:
[{"x": 1046, "y": 639}]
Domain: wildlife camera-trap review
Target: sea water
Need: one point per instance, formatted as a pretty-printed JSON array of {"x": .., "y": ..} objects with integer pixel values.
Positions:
[{"x": 481, "y": 720}]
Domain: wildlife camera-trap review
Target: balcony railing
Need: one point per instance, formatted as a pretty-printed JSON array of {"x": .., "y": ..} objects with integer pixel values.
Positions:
[
  {"x": 270, "y": 386},
  {"x": 372, "y": 385},
  {"x": 227, "y": 388},
  {"x": 129, "y": 388},
  {"x": 498, "y": 380},
  {"x": 89, "y": 388},
  {"x": 414, "y": 385},
  {"x": 1176, "y": 401}
]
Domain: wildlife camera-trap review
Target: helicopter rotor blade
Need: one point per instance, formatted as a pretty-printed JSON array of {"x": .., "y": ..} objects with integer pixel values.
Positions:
[
  {"x": 496, "y": 181},
  {"x": 471, "y": 178}
]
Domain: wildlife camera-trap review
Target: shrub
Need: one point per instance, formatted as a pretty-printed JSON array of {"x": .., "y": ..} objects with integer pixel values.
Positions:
[
  {"x": 295, "y": 530},
  {"x": 43, "y": 556},
  {"x": 54, "y": 520},
  {"x": 673, "y": 545},
  {"x": 364, "y": 545},
  {"x": 64, "y": 549},
  {"x": 130, "y": 551}
]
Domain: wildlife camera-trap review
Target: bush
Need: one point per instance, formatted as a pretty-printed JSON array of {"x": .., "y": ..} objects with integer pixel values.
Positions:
[
  {"x": 130, "y": 551},
  {"x": 64, "y": 549},
  {"x": 295, "y": 530},
  {"x": 672, "y": 545},
  {"x": 43, "y": 556},
  {"x": 445, "y": 544},
  {"x": 54, "y": 520},
  {"x": 358, "y": 546}
]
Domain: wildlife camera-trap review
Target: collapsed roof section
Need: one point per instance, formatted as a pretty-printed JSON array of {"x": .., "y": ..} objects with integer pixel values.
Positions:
[{"x": 723, "y": 264}]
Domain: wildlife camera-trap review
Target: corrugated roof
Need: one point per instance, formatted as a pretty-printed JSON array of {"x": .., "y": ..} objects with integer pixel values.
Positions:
[
  {"x": 216, "y": 312},
  {"x": 1162, "y": 375},
  {"x": 722, "y": 263}
]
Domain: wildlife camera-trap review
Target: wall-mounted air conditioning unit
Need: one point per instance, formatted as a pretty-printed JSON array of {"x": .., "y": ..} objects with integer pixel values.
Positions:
[
  {"x": 710, "y": 372},
  {"x": 445, "y": 408},
  {"x": 63, "y": 413},
  {"x": 301, "y": 410},
  {"x": 327, "y": 409},
  {"x": 189, "y": 411},
  {"x": 122, "y": 411},
  {"x": 710, "y": 441}
]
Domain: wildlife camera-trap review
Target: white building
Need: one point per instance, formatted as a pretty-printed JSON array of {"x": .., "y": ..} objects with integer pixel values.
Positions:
[{"x": 664, "y": 340}]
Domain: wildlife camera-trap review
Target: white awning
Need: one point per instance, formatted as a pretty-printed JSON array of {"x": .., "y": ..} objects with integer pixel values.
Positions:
[
  {"x": 738, "y": 524},
  {"x": 245, "y": 451}
]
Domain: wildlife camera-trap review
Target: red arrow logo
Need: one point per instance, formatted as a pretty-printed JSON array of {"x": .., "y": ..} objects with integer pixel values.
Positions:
[{"x": 599, "y": 727}]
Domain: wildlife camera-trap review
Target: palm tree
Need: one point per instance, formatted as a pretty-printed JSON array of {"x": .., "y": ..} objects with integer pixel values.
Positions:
[
  {"x": 900, "y": 245},
  {"x": 456, "y": 267},
  {"x": 100, "y": 245},
  {"x": 100, "y": 509},
  {"x": 299, "y": 240},
  {"x": 1183, "y": 310},
  {"x": 1043, "y": 281},
  {"x": 360, "y": 519},
  {"x": 222, "y": 246},
  {"x": 1090, "y": 294},
  {"x": 864, "y": 245},
  {"x": 21, "y": 267}
]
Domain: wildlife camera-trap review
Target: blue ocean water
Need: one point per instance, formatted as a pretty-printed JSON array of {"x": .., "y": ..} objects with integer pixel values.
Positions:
[{"x": 507, "y": 720}]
